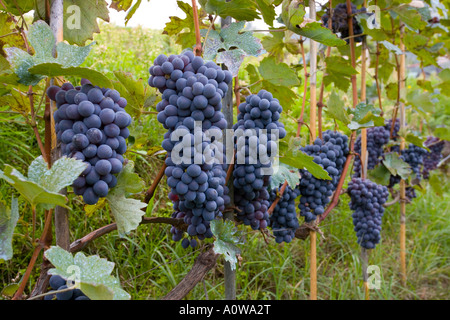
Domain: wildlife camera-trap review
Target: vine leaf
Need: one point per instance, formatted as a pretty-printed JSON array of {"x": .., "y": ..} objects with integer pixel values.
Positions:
[
  {"x": 237, "y": 9},
  {"x": 380, "y": 174},
  {"x": 137, "y": 93},
  {"x": 279, "y": 74},
  {"x": 62, "y": 174},
  {"x": 364, "y": 116},
  {"x": 338, "y": 71},
  {"x": 283, "y": 173},
  {"x": 41, "y": 38},
  {"x": 55, "y": 69},
  {"x": 183, "y": 29},
  {"x": 336, "y": 108},
  {"x": 396, "y": 166},
  {"x": 231, "y": 46},
  {"x": 91, "y": 274},
  {"x": 8, "y": 221},
  {"x": 42, "y": 185},
  {"x": 300, "y": 160},
  {"x": 127, "y": 212},
  {"x": 293, "y": 16},
  {"x": 226, "y": 240}
]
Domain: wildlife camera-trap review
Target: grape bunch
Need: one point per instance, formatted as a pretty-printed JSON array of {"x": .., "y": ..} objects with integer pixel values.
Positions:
[
  {"x": 92, "y": 125},
  {"x": 58, "y": 283},
  {"x": 388, "y": 126},
  {"x": 339, "y": 22},
  {"x": 256, "y": 134},
  {"x": 377, "y": 137},
  {"x": 283, "y": 220},
  {"x": 432, "y": 158},
  {"x": 330, "y": 153},
  {"x": 367, "y": 199},
  {"x": 192, "y": 91},
  {"x": 413, "y": 155}
]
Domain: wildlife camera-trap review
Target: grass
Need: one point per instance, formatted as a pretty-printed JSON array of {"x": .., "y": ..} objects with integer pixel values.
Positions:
[{"x": 149, "y": 264}]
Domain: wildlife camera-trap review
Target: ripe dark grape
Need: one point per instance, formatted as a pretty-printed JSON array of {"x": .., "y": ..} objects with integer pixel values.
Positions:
[
  {"x": 58, "y": 283},
  {"x": 377, "y": 138},
  {"x": 197, "y": 183},
  {"x": 85, "y": 126},
  {"x": 339, "y": 22},
  {"x": 432, "y": 157},
  {"x": 367, "y": 199},
  {"x": 330, "y": 153},
  {"x": 253, "y": 162},
  {"x": 283, "y": 220}
]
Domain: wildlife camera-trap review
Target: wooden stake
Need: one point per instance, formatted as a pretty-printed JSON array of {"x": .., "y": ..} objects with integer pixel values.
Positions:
[
  {"x": 312, "y": 127},
  {"x": 402, "y": 80}
]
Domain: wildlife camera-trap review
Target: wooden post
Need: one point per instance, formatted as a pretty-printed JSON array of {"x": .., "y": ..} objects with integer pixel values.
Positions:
[
  {"x": 227, "y": 109},
  {"x": 62, "y": 233},
  {"x": 402, "y": 81},
  {"x": 312, "y": 124}
]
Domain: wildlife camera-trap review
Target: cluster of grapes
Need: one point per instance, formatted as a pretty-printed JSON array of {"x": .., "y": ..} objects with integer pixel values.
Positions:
[
  {"x": 367, "y": 199},
  {"x": 432, "y": 158},
  {"x": 283, "y": 220},
  {"x": 57, "y": 283},
  {"x": 256, "y": 134},
  {"x": 339, "y": 21},
  {"x": 92, "y": 125},
  {"x": 377, "y": 137},
  {"x": 330, "y": 153},
  {"x": 414, "y": 156},
  {"x": 388, "y": 126},
  {"x": 192, "y": 92}
]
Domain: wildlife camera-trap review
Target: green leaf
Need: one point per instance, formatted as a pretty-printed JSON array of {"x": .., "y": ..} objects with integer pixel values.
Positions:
[
  {"x": 292, "y": 13},
  {"x": 338, "y": 71},
  {"x": 410, "y": 17},
  {"x": 41, "y": 38},
  {"x": 237, "y": 9},
  {"x": 137, "y": 92},
  {"x": 364, "y": 116},
  {"x": 31, "y": 191},
  {"x": 231, "y": 46},
  {"x": 267, "y": 9},
  {"x": 8, "y": 221},
  {"x": 391, "y": 47},
  {"x": 62, "y": 174},
  {"x": 435, "y": 181},
  {"x": 56, "y": 70},
  {"x": 282, "y": 173},
  {"x": 396, "y": 166},
  {"x": 380, "y": 175},
  {"x": 226, "y": 240},
  {"x": 315, "y": 31},
  {"x": 412, "y": 138},
  {"x": 126, "y": 211},
  {"x": 183, "y": 29},
  {"x": 80, "y": 19},
  {"x": 336, "y": 108},
  {"x": 91, "y": 274},
  {"x": 279, "y": 74},
  {"x": 300, "y": 160},
  {"x": 18, "y": 7}
]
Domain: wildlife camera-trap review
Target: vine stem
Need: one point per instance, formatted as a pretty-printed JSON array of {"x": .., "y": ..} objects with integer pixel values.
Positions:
[
  {"x": 198, "y": 39},
  {"x": 42, "y": 244},
  {"x": 277, "y": 199},
  {"x": 34, "y": 126},
  {"x": 322, "y": 85},
  {"x": 151, "y": 191},
  {"x": 305, "y": 89}
]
